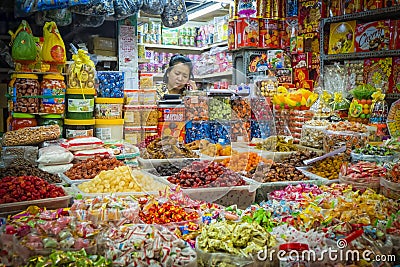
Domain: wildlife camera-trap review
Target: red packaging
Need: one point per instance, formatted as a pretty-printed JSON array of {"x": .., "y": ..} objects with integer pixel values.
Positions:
[
  {"x": 307, "y": 84},
  {"x": 301, "y": 74},
  {"x": 247, "y": 32},
  {"x": 395, "y": 84},
  {"x": 373, "y": 4},
  {"x": 334, "y": 8},
  {"x": 231, "y": 35},
  {"x": 378, "y": 72},
  {"x": 174, "y": 129},
  {"x": 309, "y": 16},
  {"x": 302, "y": 60},
  {"x": 269, "y": 33},
  {"x": 171, "y": 114},
  {"x": 395, "y": 34},
  {"x": 372, "y": 36},
  {"x": 352, "y": 6}
]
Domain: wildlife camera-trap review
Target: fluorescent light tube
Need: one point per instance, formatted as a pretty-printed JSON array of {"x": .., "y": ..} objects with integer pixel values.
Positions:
[{"x": 204, "y": 11}]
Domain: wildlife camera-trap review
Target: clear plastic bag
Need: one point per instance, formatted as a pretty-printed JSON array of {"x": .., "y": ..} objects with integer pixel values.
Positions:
[
  {"x": 95, "y": 8},
  {"x": 153, "y": 7},
  {"x": 174, "y": 14},
  {"x": 62, "y": 17},
  {"x": 58, "y": 4},
  {"x": 126, "y": 8}
]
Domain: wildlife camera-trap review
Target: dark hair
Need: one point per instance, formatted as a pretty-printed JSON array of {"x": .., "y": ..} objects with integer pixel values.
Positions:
[{"x": 176, "y": 59}]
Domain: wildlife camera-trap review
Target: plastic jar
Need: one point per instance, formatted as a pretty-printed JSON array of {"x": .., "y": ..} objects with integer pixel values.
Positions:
[
  {"x": 22, "y": 120},
  {"x": 110, "y": 129},
  {"x": 108, "y": 108},
  {"x": 132, "y": 97},
  {"x": 293, "y": 255},
  {"x": 78, "y": 128},
  {"x": 133, "y": 135},
  {"x": 133, "y": 115},
  {"x": 148, "y": 97},
  {"x": 80, "y": 104},
  {"x": 25, "y": 93},
  {"x": 52, "y": 119},
  {"x": 10, "y": 91},
  {"x": 149, "y": 116},
  {"x": 53, "y": 85}
]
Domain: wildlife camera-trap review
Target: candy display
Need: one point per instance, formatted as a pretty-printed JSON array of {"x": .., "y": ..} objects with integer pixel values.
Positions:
[
  {"x": 82, "y": 72},
  {"x": 166, "y": 249},
  {"x": 351, "y": 135},
  {"x": 241, "y": 131},
  {"x": 277, "y": 172},
  {"x": 111, "y": 84},
  {"x": 88, "y": 169},
  {"x": 328, "y": 168},
  {"x": 312, "y": 133},
  {"x": 166, "y": 147},
  {"x": 169, "y": 169},
  {"x": 25, "y": 188},
  {"x": 277, "y": 143},
  {"x": 241, "y": 108},
  {"x": 362, "y": 175},
  {"x": 220, "y": 132},
  {"x": 53, "y": 91},
  {"x": 121, "y": 179},
  {"x": 219, "y": 108},
  {"x": 296, "y": 159},
  {"x": 244, "y": 162},
  {"x": 26, "y": 89},
  {"x": 215, "y": 150},
  {"x": 261, "y": 129},
  {"x": 15, "y": 169},
  {"x": 196, "y": 131},
  {"x": 196, "y": 108},
  {"x": 206, "y": 174}
]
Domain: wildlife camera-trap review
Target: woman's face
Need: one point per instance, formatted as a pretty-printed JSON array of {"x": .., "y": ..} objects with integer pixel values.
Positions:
[{"x": 178, "y": 77}]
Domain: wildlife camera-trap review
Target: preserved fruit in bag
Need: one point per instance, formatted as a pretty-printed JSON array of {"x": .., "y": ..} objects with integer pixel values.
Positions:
[
  {"x": 153, "y": 7},
  {"x": 126, "y": 8},
  {"x": 174, "y": 14}
]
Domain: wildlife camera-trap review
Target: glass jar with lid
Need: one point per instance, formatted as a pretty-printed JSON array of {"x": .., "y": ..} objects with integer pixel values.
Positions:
[
  {"x": 52, "y": 119},
  {"x": 25, "y": 93},
  {"x": 53, "y": 92},
  {"x": 22, "y": 120}
]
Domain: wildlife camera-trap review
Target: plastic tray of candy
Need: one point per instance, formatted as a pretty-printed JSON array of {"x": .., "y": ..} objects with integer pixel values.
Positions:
[
  {"x": 70, "y": 181},
  {"x": 149, "y": 163}
]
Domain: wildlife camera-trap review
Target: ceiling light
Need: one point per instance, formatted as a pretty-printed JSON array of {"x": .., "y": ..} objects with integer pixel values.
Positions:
[{"x": 204, "y": 11}]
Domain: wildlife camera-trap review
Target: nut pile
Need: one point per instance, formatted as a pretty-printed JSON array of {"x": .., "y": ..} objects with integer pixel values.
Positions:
[
  {"x": 206, "y": 174},
  {"x": 296, "y": 159},
  {"x": 277, "y": 172},
  {"x": 88, "y": 169},
  {"x": 328, "y": 168},
  {"x": 24, "y": 168},
  {"x": 166, "y": 148},
  {"x": 31, "y": 135}
]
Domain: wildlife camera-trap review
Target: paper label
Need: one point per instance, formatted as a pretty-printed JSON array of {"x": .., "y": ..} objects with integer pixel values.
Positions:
[
  {"x": 80, "y": 105},
  {"x": 103, "y": 133}
]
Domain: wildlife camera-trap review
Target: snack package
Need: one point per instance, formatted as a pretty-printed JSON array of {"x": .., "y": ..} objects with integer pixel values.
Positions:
[
  {"x": 82, "y": 143},
  {"x": 31, "y": 135},
  {"x": 53, "y": 47},
  {"x": 23, "y": 43},
  {"x": 96, "y": 8},
  {"x": 153, "y": 7},
  {"x": 126, "y": 8},
  {"x": 82, "y": 72},
  {"x": 174, "y": 14}
]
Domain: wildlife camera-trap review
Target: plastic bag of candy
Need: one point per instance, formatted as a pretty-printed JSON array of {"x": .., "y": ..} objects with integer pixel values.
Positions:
[
  {"x": 153, "y": 7},
  {"x": 95, "y": 8},
  {"x": 174, "y": 14},
  {"x": 126, "y": 8}
]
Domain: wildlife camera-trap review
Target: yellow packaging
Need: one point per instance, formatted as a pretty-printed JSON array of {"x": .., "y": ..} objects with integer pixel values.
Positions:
[
  {"x": 53, "y": 47},
  {"x": 341, "y": 38}
]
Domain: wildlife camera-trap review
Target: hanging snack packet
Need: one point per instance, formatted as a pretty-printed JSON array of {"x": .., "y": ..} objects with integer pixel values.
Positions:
[
  {"x": 53, "y": 50},
  {"x": 174, "y": 14},
  {"x": 23, "y": 43}
]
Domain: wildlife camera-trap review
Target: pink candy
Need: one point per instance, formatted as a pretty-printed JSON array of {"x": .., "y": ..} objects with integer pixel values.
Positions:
[{"x": 295, "y": 192}]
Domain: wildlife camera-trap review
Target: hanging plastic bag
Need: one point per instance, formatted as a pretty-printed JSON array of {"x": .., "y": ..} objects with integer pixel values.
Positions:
[
  {"x": 126, "y": 8},
  {"x": 53, "y": 47},
  {"x": 62, "y": 17},
  {"x": 153, "y": 7},
  {"x": 96, "y": 8},
  {"x": 89, "y": 21},
  {"x": 43, "y": 5},
  {"x": 174, "y": 14},
  {"x": 24, "y": 8},
  {"x": 23, "y": 43}
]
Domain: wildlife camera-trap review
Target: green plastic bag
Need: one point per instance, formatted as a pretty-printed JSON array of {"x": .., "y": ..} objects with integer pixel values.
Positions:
[{"x": 23, "y": 43}]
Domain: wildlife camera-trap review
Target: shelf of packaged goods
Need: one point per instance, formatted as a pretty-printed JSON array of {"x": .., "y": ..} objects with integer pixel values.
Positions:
[
  {"x": 200, "y": 77},
  {"x": 105, "y": 58},
  {"x": 376, "y": 14},
  {"x": 143, "y": 60},
  {"x": 190, "y": 48},
  {"x": 361, "y": 55}
]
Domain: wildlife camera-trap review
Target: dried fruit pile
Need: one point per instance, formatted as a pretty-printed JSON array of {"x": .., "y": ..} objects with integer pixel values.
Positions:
[{"x": 24, "y": 188}]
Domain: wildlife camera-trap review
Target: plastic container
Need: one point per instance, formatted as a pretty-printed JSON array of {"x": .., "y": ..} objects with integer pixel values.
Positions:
[
  {"x": 79, "y": 128},
  {"x": 80, "y": 104},
  {"x": 312, "y": 136},
  {"x": 133, "y": 115},
  {"x": 133, "y": 135},
  {"x": 22, "y": 120},
  {"x": 111, "y": 84},
  {"x": 132, "y": 97},
  {"x": 108, "y": 108},
  {"x": 148, "y": 97},
  {"x": 361, "y": 183},
  {"x": 53, "y": 85},
  {"x": 371, "y": 158},
  {"x": 196, "y": 108},
  {"x": 294, "y": 255},
  {"x": 336, "y": 139},
  {"x": 390, "y": 189},
  {"x": 25, "y": 93},
  {"x": 110, "y": 129},
  {"x": 149, "y": 116},
  {"x": 219, "y": 108},
  {"x": 52, "y": 119},
  {"x": 149, "y": 131}
]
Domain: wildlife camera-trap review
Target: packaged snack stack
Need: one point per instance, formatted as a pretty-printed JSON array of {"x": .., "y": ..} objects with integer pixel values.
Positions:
[
  {"x": 379, "y": 114},
  {"x": 80, "y": 97}
]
